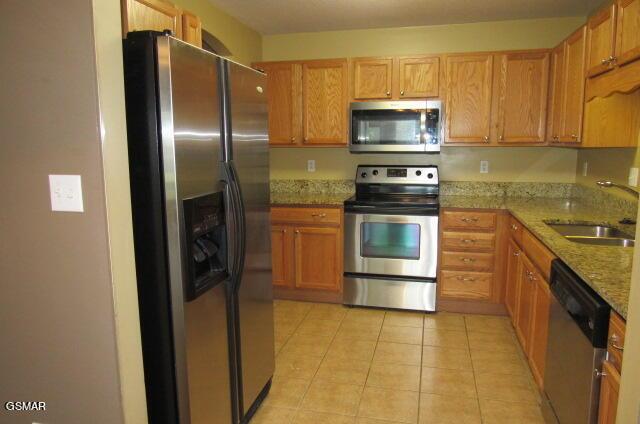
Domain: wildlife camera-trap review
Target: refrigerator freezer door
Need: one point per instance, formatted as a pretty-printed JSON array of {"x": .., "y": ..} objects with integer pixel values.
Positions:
[
  {"x": 249, "y": 153},
  {"x": 190, "y": 114}
]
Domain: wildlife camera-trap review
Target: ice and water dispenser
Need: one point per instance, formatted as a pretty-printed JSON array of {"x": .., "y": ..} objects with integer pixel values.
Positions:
[{"x": 206, "y": 243}]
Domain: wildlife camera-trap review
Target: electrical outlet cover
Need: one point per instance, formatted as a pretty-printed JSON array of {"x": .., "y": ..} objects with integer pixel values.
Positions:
[
  {"x": 633, "y": 177},
  {"x": 585, "y": 169},
  {"x": 66, "y": 193},
  {"x": 311, "y": 165},
  {"x": 484, "y": 166}
]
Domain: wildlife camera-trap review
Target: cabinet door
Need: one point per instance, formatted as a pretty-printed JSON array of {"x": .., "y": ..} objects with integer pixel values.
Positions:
[
  {"x": 372, "y": 78},
  {"x": 522, "y": 97},
  {"x": 418, "y": 77},
  {"x": 284, "y": 100},
  {"x": 324, "y": 96},
  {"x": 282, "y": 255},
  {"x": 156, "y": 15},
  {"x": 601, "y": 30},
  {"x": 191, "y": 29},
  {"x": 556, "y": 93},
  {"x": 524, "y": 300},
  {"x": 513, "y": 273},
  {"x": 539, "y": 332},
  {"x": 468, "y": 82},
  {"x": 318, "y": 255},
  {"x": 609, "y": 388},
  {"x": 574, "y": 81},
  {"x": 628, "y": 31}
]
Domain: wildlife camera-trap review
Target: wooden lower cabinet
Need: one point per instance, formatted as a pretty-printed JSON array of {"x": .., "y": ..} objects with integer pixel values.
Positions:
[
  {"x": 281, "y": 253},
  {"x": 609, "y": 388},
  {"x": 511, "y": 283},
  {"x": 524, "y": 302},
  {"x": 539, "y": 330},
  {"x": 306, "y": 253},
  {"x": 318, "y": 255}
]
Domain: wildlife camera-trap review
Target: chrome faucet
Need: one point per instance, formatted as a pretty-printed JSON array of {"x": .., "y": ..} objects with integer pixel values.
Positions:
[{"x": 607, "y": 184}]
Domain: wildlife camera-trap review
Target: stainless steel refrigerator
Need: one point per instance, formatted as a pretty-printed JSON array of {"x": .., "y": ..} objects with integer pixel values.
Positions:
[{"x": 199, "y": 169}]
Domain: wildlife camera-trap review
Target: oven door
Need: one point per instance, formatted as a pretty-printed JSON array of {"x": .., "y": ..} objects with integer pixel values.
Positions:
[{"x": 394, "y": 245}]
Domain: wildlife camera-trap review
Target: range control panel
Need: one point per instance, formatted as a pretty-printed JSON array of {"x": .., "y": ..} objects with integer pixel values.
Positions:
[{"x": 405, "y": 174}]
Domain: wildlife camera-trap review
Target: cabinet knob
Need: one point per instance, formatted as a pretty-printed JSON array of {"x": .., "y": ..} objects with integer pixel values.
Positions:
[
  {"x": 612, "y": 59},
  {"x": 604, "y": 61},
  {"x": 486, "y": 138},
  {"x": 501, "y": 137},
  {"x": 613, "y": 342},
  {"x": 574, "y": 136},
  {"x": 468, "y": 241},
  {"x": 516, "y": 253},
  {"x": 556, "y": 138},
  {"x": 293, "y": 139},
  {"x": 465, "y": 219},
  {"x": 304, "y": 140},
  {"x": 319, "y": 215},
  {"x": 467, "y": 260},
  {"x": 402, "y": 93},
  {"x": 599, "y": 374},
  {"x": 284, "y": 231},
  {"x": 388, "y": 93},
  {"x": 297, "y": 231},
  {"x": 514, "y": 227}
]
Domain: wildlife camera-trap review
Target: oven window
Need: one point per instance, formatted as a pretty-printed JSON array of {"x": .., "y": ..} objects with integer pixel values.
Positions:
[
  {"x": 385, "y": 126},
  {"x": 390, "y": 240}
]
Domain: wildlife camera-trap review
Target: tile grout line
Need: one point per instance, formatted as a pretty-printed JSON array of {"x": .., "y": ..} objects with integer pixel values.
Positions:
[
  {"x": 473, "y": 370},
  {"x": 384, "y": 316}
]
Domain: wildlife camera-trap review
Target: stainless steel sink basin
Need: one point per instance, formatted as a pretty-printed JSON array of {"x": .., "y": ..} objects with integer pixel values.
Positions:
[{"x": 601, "y": 235}]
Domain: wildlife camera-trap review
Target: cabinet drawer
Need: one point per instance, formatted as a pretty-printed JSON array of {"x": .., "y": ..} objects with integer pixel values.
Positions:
[
  {"x": 537, "y": 253},
  {"x": 466, "y": 285},
  {"x": 515, "y": 230},
  {"x": 329, "y": 216},
  {"x": 615, "y": 343},
  {"x": 469, "y": 261},
  {"x": 468, "y": 241},
  {"x": 473, "y": 220}
]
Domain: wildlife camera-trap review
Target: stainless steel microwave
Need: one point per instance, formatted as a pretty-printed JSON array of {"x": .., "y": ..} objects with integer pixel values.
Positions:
[{"x": 408, "y": 126}]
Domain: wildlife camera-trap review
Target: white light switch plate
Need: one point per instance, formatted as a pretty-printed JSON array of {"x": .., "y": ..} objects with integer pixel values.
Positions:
[
  {"x": 66, "y": 193},
  {"x": 633, "y": 177},
  {"x": 484, "y": 166},
  {"x": 311, "y": 165},
  {"x": 585, "y": 169}
]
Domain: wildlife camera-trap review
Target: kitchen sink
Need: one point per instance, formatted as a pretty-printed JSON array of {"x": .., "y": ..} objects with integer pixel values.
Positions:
[{"x": 600, "y": 235}]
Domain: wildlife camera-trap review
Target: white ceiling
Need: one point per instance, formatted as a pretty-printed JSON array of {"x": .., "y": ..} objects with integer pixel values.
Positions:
[{"x": 286, "y": 16}]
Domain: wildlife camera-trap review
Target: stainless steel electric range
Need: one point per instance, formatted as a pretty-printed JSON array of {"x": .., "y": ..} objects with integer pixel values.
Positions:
[{"x": 391, "y": 238}]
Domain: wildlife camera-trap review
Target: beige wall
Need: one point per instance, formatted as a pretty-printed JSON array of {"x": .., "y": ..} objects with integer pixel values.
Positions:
[
  {"x": 456, "y": 164},
  {"x": 506, "y": 164},
  {"x": 57, "y": 324},
  {"x": 504, "y": 35},
  {"x": 244, "y": 43}
]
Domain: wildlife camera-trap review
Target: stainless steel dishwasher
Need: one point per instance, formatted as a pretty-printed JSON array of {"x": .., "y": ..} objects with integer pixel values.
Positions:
[{"x": 578, "y": 325}]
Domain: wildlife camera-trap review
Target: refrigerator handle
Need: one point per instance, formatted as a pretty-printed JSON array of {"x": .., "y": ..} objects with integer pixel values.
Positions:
[
  {"x": 232, "y": 218},
  {"x": 241, "y": 225}
]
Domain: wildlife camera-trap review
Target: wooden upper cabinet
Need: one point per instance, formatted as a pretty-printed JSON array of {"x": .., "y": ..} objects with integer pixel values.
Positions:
[
  {"x": 418, "y": 77},
  {"x": 556, "y": 93},
  {"x": 539, "y": 330},
  {"x": 601, "y": 32},
  {"x": 284, "y": 99},
  {"x": 156, "y": 15},
  {"x": 574, "y": 84},
  {"x": 468, "y": 85},
  {"x": 191, "y": 29},
  {"x": 627, "y": 31},
  {"x": 372, "y": 78},
  {"x": 522, "y": 97},
  {"x": 318, "y": 256},
  {"x": 324, "y": 98}
]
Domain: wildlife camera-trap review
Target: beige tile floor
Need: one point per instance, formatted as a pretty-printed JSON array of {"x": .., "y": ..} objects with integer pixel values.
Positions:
[{"x": 368, "y": 366}]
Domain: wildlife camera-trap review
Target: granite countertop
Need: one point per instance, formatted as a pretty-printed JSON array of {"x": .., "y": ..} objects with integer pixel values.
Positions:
[
  {"x": 605, "y": 269},
  {"x": 308, "y": 199}
]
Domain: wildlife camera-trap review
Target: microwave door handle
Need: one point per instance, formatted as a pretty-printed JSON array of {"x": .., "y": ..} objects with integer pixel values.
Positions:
[{"x": 423, "y": 128}]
